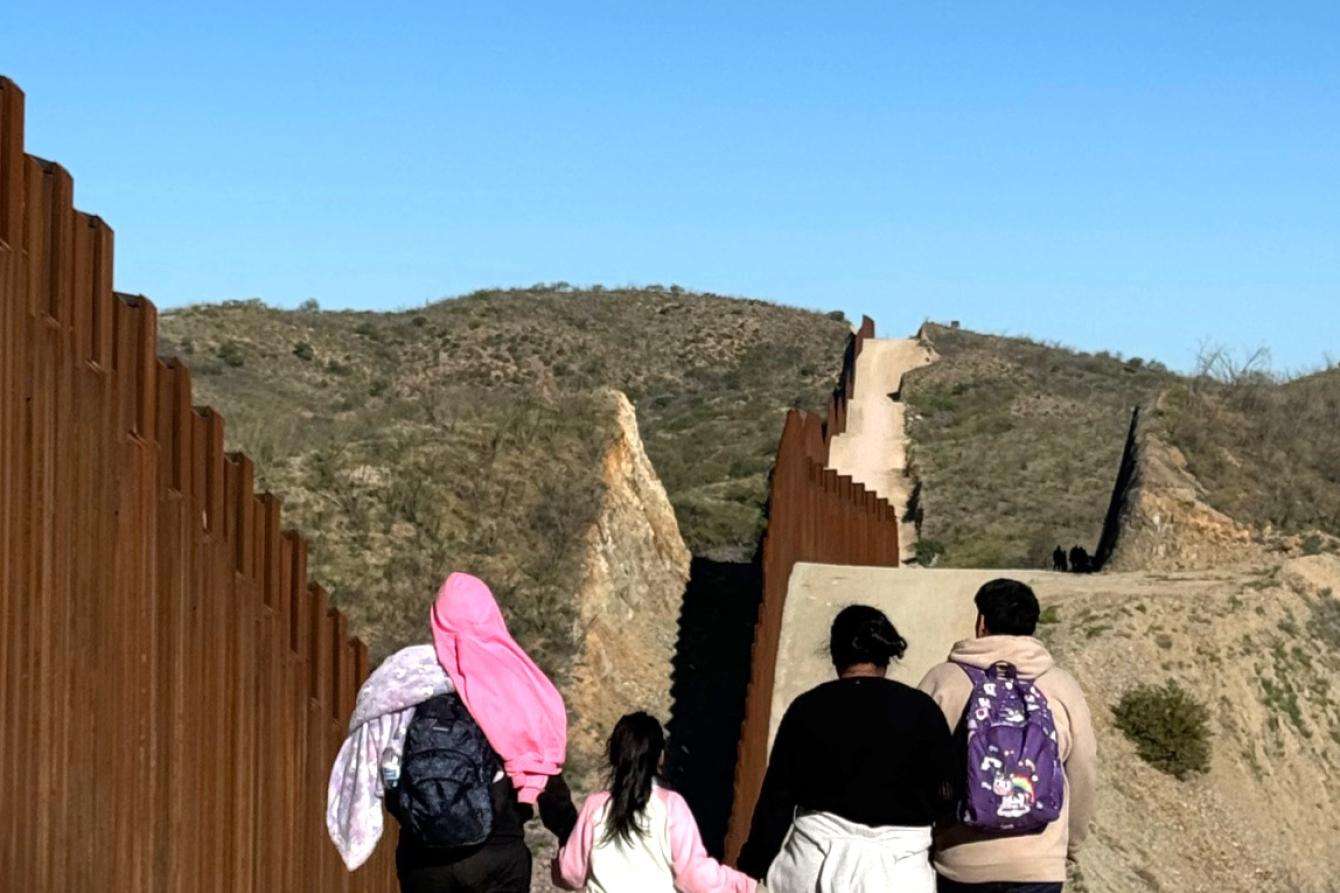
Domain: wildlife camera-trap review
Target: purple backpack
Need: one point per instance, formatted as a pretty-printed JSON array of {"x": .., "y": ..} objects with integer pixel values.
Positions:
[{"x": 1015, "y": 782}]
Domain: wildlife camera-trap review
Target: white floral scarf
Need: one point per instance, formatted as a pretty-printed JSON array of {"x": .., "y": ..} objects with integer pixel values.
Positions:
[{"x": 377, "y": 730}]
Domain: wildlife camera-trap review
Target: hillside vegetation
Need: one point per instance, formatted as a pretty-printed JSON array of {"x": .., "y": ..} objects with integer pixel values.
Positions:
[
  {"x": 467, "y": 433},
  {"x": 1266, "y": 451},
  {"x": 1016, "y": 444},
  {"x": 464, "y": 433},
  {"x": 391, "y": 502}
]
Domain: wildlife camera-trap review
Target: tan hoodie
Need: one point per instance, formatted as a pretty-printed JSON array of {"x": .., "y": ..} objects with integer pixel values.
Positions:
[{"x": 970, "y": 857}]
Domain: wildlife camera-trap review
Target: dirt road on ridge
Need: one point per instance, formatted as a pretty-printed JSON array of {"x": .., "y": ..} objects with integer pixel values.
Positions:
[{"x": 873, "y": 450}]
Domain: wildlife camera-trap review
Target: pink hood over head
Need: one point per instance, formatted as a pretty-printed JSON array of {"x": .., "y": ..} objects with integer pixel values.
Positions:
[{"x": 519, "y": 709}]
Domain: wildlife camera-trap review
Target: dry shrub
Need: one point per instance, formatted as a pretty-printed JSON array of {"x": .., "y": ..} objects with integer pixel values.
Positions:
[{"x": 1169, "y": 727}]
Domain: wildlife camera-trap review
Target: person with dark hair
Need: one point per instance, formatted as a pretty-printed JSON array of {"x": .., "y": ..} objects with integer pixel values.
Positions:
[
  {"x": 638, "y": 836},
  {"x": 860, "y": 769},
  {"x": 1058, "y": 560},
  {"x": 1038, "y": 789}
]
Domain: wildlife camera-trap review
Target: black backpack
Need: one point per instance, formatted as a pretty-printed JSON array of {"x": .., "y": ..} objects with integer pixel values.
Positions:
[{"x": 443, "y": 797}]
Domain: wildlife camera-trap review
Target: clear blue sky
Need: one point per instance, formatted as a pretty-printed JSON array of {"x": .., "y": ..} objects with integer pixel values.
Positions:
[{"x": 1133, "y": 176}]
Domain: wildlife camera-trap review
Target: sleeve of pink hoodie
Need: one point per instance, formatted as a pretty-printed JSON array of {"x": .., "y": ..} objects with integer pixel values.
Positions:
[
  {"x": 695, "y": 871},
  {"x": 574, "y": 859}
]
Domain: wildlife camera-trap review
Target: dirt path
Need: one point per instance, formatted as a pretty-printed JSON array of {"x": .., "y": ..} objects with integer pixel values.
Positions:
[{"x": 873, "y": 450}]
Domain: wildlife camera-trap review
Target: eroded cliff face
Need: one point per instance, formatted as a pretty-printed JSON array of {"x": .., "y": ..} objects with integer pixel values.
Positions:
[
  {"x": 628, "y": 599},
  {"x": 1166, "y": 524}
]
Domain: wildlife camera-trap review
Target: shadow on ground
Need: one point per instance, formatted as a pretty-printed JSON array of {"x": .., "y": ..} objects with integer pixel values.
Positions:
[{"x": 711, "y": 673}]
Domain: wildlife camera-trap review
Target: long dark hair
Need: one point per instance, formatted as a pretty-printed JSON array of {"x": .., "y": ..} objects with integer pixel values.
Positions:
[{"x": 635, "y": 749}]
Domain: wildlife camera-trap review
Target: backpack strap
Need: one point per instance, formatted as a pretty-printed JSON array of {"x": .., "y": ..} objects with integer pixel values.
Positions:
[
  {"x": 1002, "y": 669},
  {"x": 975, "y": 674}
]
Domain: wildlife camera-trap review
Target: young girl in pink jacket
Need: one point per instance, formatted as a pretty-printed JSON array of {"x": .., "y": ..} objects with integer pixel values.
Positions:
[{"x": 639, "y": 837}]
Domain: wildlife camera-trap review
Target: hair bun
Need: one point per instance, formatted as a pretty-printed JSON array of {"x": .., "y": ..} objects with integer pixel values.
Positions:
[
  {"x": 874, "y": 637},
  {"x": 863, "y": 634}
]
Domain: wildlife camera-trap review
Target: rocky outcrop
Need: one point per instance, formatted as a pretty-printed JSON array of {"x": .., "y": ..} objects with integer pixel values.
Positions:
[
  {"x": 1166, "y": 523},
  {"x": 1164, "y": 520},
  {"x": 629, "y": 597}
]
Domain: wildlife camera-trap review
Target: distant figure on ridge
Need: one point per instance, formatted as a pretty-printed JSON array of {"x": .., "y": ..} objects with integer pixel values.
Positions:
[
  {"x": 859, "y": 772},
  {"x": 1079, "y": 560},
  {"x": 1029, "y": 762},
  {"x": 1058, "y": 560}
]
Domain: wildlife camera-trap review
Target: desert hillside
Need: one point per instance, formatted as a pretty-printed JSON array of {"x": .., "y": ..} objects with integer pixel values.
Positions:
[
  {"x": 1016, "y": 445},
  {"x": 485, "y": 432},
  {"x": 495, "y": 433},
  {"x": 1257, "y": 647},
  {"x": 1266, "y": 449},
  {"x": 710, "y": 377},
  {"x": 1224, "y": 586}
]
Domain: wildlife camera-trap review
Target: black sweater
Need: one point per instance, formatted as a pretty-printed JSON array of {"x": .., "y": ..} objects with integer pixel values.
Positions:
[{"x": 870, "y": 750}]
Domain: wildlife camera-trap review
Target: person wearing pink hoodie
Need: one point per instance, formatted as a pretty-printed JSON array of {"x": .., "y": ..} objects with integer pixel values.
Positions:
[
  {"x": 519, "y": 709},
  {"x": 639, "y": 837},
  {"x": 973, "y": 861},
  {"x": 523, "y": 718}
]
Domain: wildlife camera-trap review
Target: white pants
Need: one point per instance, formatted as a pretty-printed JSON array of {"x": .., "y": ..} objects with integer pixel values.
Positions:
[{"x": 824, "y": 853}]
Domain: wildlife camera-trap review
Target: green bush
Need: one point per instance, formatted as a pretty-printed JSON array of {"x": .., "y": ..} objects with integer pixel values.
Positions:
[
  {"x": 936, "y": 402},
  {"x": 303, "y": 351},
  {"x": 231, "y": 353},
  {"x": 928, "y": 551},
  {"x": 1169, "y": 727}
]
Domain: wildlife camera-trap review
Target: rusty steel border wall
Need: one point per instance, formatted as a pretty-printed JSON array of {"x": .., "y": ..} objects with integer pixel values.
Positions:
[
  {"x": 172, "y": 688},
  {"x": 814, "y": 514}
]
